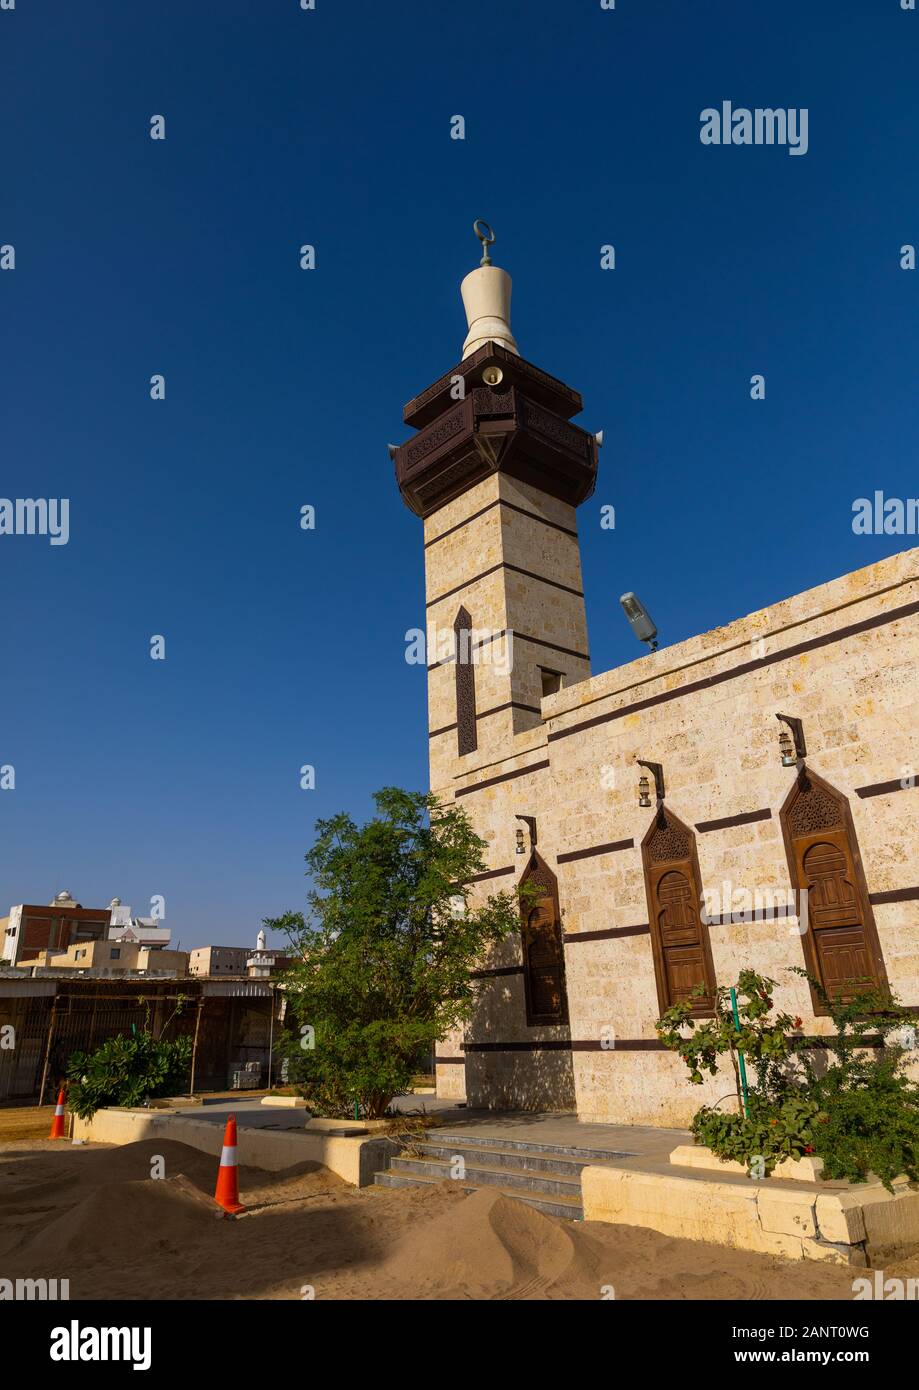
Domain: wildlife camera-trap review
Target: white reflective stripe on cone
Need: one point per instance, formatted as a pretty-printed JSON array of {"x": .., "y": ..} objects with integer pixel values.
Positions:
[{"x": 228, "y": 1156}]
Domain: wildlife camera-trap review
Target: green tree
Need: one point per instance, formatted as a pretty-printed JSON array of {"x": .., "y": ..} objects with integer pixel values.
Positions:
[{"x": 385, "y": 952}]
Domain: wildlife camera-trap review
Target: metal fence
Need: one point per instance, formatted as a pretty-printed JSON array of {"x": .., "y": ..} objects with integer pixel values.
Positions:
[
  {"x": 47, "y": 1031},
  {"x": 48, "y": 1028}
]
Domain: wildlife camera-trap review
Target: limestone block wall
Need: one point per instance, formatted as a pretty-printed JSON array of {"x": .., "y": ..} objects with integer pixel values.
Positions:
[
  {"x": 508, "y": 554},
  {"x": 844, "y": 658}
]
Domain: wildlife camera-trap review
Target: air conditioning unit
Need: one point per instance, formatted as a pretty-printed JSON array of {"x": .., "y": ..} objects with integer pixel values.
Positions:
[{"x": 245, "y": 1076}]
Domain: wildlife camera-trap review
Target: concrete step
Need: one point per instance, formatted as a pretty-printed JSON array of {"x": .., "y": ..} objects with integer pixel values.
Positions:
[
  {"x": 544, "y": 1175},
  {"x": 569, "y": 1208},
  {"x": 484, "y": 1174},
  {"x": 533, "y": 1159},
  {"x": 457, "y": 1141}
]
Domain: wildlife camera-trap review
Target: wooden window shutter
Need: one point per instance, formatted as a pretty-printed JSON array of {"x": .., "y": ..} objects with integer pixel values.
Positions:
[
  {"x": 841, "y": 947},
  {"x": 679, "y": 938},
  {"x": 543, "y": 952}
]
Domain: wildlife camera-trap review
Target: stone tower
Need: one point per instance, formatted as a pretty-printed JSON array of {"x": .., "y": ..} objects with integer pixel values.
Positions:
[{"x": 496, "y": 471}]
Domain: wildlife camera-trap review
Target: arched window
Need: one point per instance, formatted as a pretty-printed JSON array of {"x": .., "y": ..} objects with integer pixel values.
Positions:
[
  {"x": 543, "y": 953},
  {"x": 466, "y": 740},
  {"x": 841, "y": 947},
  {"x": 679, "y": 937}
]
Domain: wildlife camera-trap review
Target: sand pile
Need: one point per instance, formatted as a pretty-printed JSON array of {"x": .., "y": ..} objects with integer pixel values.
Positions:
[
  {"x": 486, "y": 1243},
  {"x": 94, "y": 1216},
  {"x": 144, "y": 1218},
  {"x": 110, "y": 1208}
]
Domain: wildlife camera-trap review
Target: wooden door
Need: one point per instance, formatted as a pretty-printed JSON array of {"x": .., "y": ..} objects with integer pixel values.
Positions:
[
  {"x": 841, "y": 948},
  {"x": 679, "y": 937}
]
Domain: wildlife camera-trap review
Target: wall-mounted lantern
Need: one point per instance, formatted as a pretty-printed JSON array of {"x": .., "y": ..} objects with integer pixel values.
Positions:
[
  {"x": 644, "y": 788},
  {"x": 530, "y": 823},
  {"x": 792, "y": 746}
]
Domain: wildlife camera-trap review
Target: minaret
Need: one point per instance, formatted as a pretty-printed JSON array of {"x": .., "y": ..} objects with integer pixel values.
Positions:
[{"x": 496, "y": 471}]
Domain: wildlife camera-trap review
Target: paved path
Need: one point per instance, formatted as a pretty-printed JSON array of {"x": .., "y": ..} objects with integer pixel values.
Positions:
[{"x": 252, "y": 1114}]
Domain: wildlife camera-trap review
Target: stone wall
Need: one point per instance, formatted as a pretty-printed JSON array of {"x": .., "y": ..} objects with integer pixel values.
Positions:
[{"x": 843, "y": 658}]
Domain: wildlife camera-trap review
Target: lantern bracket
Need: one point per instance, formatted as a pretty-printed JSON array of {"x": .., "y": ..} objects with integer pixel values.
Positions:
[{"x": 657, "y": 772}]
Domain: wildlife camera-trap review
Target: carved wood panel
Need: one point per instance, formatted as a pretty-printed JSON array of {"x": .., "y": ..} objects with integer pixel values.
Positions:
[
  {"x": 543, "y": 952},
  {"x": 466, "y": 737},
  {"x": 679, "y": 938},
  {"x": 841, "y": 947}
]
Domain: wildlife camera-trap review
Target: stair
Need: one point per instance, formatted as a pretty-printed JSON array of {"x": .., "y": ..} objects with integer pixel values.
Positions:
[{"x": 545, "y": 1176}]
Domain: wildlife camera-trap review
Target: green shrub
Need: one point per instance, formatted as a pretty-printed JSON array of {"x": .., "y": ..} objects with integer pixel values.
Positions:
[
  {"x": 126, "y": 1070},
  {"x": 770, "y": 1133},
  {"x": 869, "y": 1120},
  {"x": 859, "y": 1113}
]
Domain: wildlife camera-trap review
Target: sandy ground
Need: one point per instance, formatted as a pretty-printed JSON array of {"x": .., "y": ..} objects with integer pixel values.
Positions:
[
  {"x": 34, "y": 1121},
  {"x": 25, "y": 1122},
  {"x": 94, "y": 1215}
]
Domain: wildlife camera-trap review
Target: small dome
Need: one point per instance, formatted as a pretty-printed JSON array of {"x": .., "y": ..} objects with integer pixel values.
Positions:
[
  {"x": 64, "y": 897},
  {"x": 116, "y": 902}
]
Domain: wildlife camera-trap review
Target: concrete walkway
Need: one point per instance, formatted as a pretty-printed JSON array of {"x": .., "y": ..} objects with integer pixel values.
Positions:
[
  {"x": 623, "y": 1145},
  {"x": 639, "y": 1148},
  {"x": 252, "y": 1114}
]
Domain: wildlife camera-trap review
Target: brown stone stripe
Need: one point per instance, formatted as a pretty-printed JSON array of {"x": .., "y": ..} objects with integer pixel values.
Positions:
[
  {"x": 492, "y": 873},
  {"x": 708, "y": 682},
  {"x": 460, "y": 524},
  {"x": 612, "y": 848},
  {"x": 509, "y": 704},
  {"x": 895, "y": 895},
  {"x": 881, "y": 788},
  {"x": 449, "y": 1061},
  {"x": 570, "y": 938},
  {"x": 728, "y": 822},
  {"x": 517, "y": 637},
  {"x": 515, "y": 569},
  {"x": 500, "y": 502},
  {"x": 503, "y": 777},
  {"x": 485, "y": 642},
  {"x": 562, "y": 1045},
  {"x": 498, "y": 970},
  {"x": 626, "y": 1045},
  {"x": 552, "y": 646}
]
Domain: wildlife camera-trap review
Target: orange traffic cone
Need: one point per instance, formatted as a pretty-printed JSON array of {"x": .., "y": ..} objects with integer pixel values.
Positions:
[
  {"x": 227, "y": 1193},
  {"x": 58, "y": 1130}
]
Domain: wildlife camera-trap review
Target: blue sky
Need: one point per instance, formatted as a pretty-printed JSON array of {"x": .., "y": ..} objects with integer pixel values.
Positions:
[{"x": 332, "y": 127}]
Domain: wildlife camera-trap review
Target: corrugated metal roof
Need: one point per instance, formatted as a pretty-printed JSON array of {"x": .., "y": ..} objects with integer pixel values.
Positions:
[
  {"x": 27, "y": 988},
  {"x": 236, "y": 989}
]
